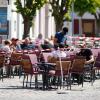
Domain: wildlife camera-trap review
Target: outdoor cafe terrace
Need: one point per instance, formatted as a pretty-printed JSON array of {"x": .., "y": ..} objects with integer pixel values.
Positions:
[{"x": 28, "y": 63}]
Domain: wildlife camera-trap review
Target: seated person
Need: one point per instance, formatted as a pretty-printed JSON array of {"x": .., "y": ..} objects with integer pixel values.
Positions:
[
  {"x": 15, "y": 46},
  {"x": 39, "y": 40},
  {"x": 87, "y": 53},
  {"x": 59, "y": 51},
  {"x": 47, "y": 44},
  {"x": 27, "y": 45}
]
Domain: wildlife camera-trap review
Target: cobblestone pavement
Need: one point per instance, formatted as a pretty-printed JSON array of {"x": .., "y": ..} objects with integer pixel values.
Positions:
[{"x": 11, "y": 89}]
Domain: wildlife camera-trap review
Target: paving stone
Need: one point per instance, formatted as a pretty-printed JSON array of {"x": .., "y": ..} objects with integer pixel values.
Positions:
[{"x": 11, "y": 89}]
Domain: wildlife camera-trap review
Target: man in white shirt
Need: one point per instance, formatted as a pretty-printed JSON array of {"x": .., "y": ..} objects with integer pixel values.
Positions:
[{"x": 59, "y": 51}]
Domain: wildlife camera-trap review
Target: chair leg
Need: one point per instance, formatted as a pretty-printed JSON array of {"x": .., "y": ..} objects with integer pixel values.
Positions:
[
  {"x": 30, "y": 80},
  {"x": 20, "y": 72},
  {"x": 15, "y": 70},
  {"x": 36, "y": 81},
  {"x": 2, "y": 74},
  {"x": 69, "y": 80},
  {"x": 59, "y": 82},
  {"x": 81, "y": 79},
  {"x": 92, "y": 76},
  {"x": 8, "y": 71},
  {"x": 24, "y": 80},
  {"x": 27, "y": 80},
  {"x": 12, "y": 72},
  {"x": 49, "y": 81}
]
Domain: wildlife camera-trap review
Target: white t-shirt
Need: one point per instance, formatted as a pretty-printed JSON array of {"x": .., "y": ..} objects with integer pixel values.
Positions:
[
  {"x": 58, "y": 53},
  {"x": 38, "y": 42}
]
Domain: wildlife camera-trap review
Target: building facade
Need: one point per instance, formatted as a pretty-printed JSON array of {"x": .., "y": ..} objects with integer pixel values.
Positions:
[
  {"x": 3, "y": 19},
  {"x": 88, "y": 24},
  {"x": 43, "y": 23}
]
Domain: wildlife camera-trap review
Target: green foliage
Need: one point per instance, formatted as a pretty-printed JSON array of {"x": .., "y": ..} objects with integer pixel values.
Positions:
[
  {"x": 91, "y": 6},
  {"x": 60, "y": 11},
  {"x": 83, "y": 6},
  {"x": 29, "y": 8},
  {"x": 28, "y": 11}
]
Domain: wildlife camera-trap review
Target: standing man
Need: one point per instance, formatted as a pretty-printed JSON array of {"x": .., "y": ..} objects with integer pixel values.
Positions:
[{"x": 60, "y": 37}]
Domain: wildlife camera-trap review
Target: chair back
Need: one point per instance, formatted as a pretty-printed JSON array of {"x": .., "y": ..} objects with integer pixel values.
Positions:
[
  {"x": 15, "y": 59},
  {"x": 51, "y": 59},
  {"x": 33, "y": 58},
  {"x": 80, "y": 57},
  {"x": 46, "y": 55},
  {"x": 54, "y": 59},
  {"x": 28, "y": 64},
  {"x": 78, "y": 65},
  {"x": 97, "y": 61},
  {"x": 65, "y": 67},
  {"x": 2, "y": 60}
]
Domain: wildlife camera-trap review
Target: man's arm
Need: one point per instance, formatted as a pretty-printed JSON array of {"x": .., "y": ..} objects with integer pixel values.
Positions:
[
  {"x": 55, "y": 38},
  {"x": 91, "y": 60}
]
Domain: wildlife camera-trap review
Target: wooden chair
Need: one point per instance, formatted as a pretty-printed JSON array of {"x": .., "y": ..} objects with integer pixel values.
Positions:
[
  {"x": 51, "y": 59},
  {"x": 78, "y": 68},
  {"x": 2, "y": 63},
  {"x": 65, "y": 69},
  {"x": 29, "y": 65},
  {"x": 47, "y": 64},
  {"x": 15, "y": 64},
  {"x": 88, "y": 73},
  {"x": 97, "y": 65}
]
